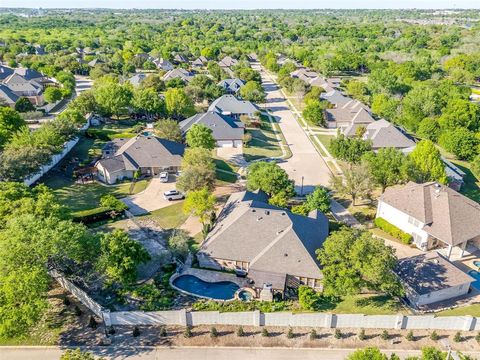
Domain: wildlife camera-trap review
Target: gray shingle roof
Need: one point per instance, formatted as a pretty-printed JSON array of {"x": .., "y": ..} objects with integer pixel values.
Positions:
[
  {"x": 223, "y": 127},
  {"x": 384, "y": 134},
  {"x": 5, "y": 72},
  {"x": 149, "y": 151},
  {"x": 232, "y": 85},
  {"x": 430, "y": 272},
  {"x": 200, "y": 61},
  {"x": 163, "y": 64},
  {"x": 448, "y": 215},
  {"x": 271, "y": 239},
  {"x": 137, "y": 79},
  {"x": 228, "y": 61},
  {"x": 7, "y": 95},
  {"x": 29, "y": 74},
  {"x": 230, "y": 104},
  {"x": 113, "y": 164},
  {"x": 21, "y": 86},
  {"x": 179, "y": 73}
]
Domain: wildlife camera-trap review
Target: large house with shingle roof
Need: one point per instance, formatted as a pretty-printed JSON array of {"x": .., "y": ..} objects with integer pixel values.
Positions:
[
  {"x": 345, "y": 111},
  {"x": 178, "y": 73},
  {"x": 227, "y": 131},
  {"x": 22, "y": 82},
  {"x": 231, "y": 86},
  {"x": 149, "y": 155},
  {"x": 275, "y": 247},
  {"x": 435, "y": 215},
  {"x": 230, "y": 105}
]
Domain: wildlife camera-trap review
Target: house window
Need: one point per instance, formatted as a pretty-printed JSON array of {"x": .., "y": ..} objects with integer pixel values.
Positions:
[{"x": 413, "y": 221}]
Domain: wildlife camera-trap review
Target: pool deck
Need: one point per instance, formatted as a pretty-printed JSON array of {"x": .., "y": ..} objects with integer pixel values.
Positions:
[{"x": 215, "y": 276}]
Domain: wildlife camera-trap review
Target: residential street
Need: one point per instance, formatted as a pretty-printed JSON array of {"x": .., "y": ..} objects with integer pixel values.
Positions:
[
  {"x": 191, "y": 353},
  {"x": 305, "y": 162}
]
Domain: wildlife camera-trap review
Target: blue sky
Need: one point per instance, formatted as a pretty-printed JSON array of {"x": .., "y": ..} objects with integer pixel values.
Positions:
[{"x": 244, "y": 4}]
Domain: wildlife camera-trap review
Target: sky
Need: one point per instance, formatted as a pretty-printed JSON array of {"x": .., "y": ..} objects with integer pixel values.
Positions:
[{"x": 245, "y": 4}]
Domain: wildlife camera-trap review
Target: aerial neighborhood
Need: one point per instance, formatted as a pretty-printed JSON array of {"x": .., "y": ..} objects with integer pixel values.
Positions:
[{"x": 280, "y": 179}]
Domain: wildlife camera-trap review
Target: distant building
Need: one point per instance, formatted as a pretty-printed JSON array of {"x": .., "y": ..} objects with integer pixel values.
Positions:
[
  {"x": 137, "y": 79},
  {"x": 201, "y": 61},
  {"x": 178, "y": 73},
  {"x": 180, "y": 59},
  {"x": 163, "y": 64},
  {"x": 231, "y": 86}
]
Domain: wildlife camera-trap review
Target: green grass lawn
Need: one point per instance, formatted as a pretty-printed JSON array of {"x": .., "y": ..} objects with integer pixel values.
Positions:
[
  {"x": 325, "y": 140},
  {"x": 264, "y": 143},
  {"x": 365, "y": 304},
  {"x": 80, "y": 198},
  {"x": 226, "y": 177},
  {"x": 472, "y": 310},
  {"x": 169, "y": 217}
]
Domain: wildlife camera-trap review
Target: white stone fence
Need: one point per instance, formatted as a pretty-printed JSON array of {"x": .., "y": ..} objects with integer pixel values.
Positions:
[
  {"x": 281, "y": 319},
  {"x": 57, "y": 157}
]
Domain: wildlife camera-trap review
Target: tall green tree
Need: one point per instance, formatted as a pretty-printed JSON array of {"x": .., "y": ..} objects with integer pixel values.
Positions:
[
  {"x": 178, "y": 104},
  {"x": 387, "y": 167},
  {"x": 120, "y": 257},
  {"x": 112, "y": 98},
  {"x": 10, "y": 122},
  {"x": 168, "y": 129},
  {"x": 352, "y": 260},
  {"x": 356, "y": 183},
  {"x": 427, "y": 163},
  {"x": 270, "y": 178},
  {"x": 200, "y": 136},
  {"x": 199, "y": 203}
]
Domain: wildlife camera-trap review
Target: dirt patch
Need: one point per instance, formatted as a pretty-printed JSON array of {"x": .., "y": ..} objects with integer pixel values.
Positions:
[{"x": 277, "y": 337}]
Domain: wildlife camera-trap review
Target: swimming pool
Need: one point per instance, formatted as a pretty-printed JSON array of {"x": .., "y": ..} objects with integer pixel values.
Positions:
[
  {"x": 222, "y": 290},
  {"x": 476, "y": 275}
]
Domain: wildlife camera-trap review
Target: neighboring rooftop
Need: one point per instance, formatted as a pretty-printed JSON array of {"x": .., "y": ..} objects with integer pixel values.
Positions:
[
  {"x": 430, "y": 272},
  {"x": 229, "y": 104},
  {"x": 223, "y": 127},
  {"x": 232, "y": 85},
  {"x": 228, "y": 61},
  {"x": 448, "y": 215}
]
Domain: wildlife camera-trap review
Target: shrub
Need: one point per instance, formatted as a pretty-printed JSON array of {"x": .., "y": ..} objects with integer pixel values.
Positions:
[
  {"x": 384, "y": 335},
  {"x": 290, "y": 333},
  {"x": 265, "y": 332},
  {"x": 136, "y": 331},
  {"x": 307, "y": 297},
  {"x": 337, "y": 334},
  {"x": 92, "y": 323},
  {"x": 313, "y": 334},
  {"x": 66, "y": 301},
  {"x": 240, "y": 332},
  {"x": 434, "y": 336},
  {"x": 410, "y": 336},
  {"x": 361, "y": 335},
  {"x": 187, "y": 333},
  {"x": 77, "y": 310},
  {"x": 458, "y": 337},
  {"x": 394, "y": 231},
  {"x": 163, "y": 331},
  {"x": 213, "y": 332}
]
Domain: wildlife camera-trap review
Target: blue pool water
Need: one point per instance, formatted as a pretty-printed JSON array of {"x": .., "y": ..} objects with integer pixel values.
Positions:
[
  {"x": 223, "y": 290},
  {"x": 476, "y": 275}
]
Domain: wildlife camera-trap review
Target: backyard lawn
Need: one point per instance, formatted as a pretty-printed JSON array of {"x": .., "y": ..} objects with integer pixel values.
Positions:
[
  {"x": 169, "y": 217},
  {"x": 366, "y": 304},
  {"x": 82, "y": 197},
  {"x": 472, "y": 310},
  {"x": 264, "y": 143}
]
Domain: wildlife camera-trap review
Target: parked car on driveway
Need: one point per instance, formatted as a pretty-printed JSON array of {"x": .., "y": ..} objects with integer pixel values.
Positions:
[
  {"x": 171, "y": 195},
  {"x": 163, "y": 177}
]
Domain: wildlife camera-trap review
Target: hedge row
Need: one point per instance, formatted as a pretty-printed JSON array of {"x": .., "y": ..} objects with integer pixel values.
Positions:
[{"x": 394, "y": 231}]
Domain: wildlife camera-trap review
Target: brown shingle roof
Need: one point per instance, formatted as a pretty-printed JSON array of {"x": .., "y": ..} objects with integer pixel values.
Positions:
[{"x": 448, "y": 215}]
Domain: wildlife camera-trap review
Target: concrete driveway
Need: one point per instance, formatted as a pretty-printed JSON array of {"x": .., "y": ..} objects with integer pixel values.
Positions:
[
  {"x": 151, "y": 198},
  {"x": 305, "y": 162}
]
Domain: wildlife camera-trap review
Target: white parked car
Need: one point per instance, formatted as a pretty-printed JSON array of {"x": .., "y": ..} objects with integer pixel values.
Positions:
[
  {"x": 171, "y": 195},
  {"x": 163, "y": 177}
]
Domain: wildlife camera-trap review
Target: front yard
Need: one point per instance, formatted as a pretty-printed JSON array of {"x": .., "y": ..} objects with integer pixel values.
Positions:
[{"x": 264, "y": 143}]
